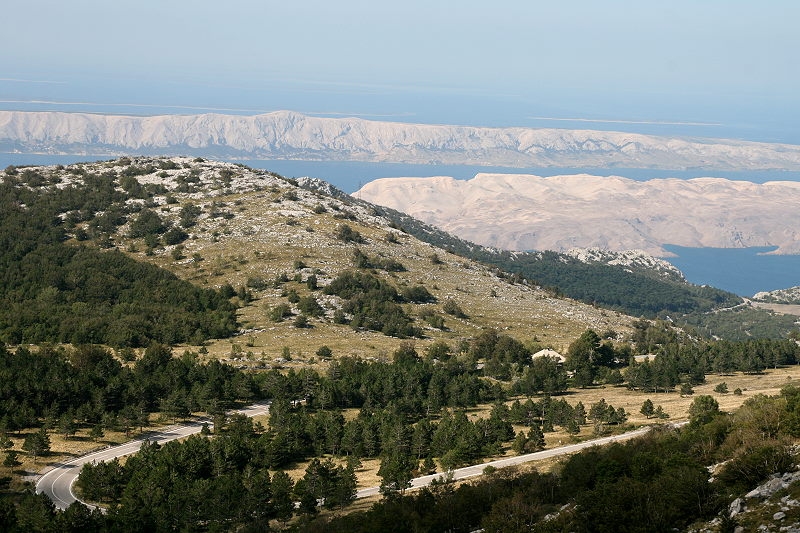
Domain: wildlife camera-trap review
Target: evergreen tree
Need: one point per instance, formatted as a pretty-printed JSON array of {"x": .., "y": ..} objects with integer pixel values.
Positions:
[
  {"x": 572, "y": 427},
  {"x": 282, "y": 501},
  {"x": 647, "y": 408},
  {"x": 11, "y": 459},
  {"x": 520, "y": 442},
  {"x": 395, "y": 472},
  {"x": 580, "y": 414},
  {"x": 37, "y": 444},
  {"x": 66, "y": 425},
  {"x": 702, "y": 410},
  {"x": 582, "y": 358},
  {"x": 344, "y": 490},
  {"x": 97, "y": 432},
  {"x": 535, "y": 438}
]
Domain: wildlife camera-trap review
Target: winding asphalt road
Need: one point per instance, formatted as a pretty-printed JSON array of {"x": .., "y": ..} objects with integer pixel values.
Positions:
[
  {"x": 57, "y": 483},
  {"x": 476, "y": 470}
]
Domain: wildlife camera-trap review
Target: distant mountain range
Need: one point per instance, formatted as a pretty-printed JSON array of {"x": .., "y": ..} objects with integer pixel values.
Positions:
[
  {"x": 289, "y": 135},
  {"x": 523, "y": 212}
]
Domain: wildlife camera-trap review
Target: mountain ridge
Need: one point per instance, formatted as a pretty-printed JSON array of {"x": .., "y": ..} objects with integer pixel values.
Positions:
[
  {"x": 631, "y": 281},
  {"x": 292, "y": 135}
]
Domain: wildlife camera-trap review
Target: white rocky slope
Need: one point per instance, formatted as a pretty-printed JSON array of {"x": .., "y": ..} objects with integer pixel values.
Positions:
[
  {"x": 629, "y": 259},
  {"x": 523, "y": 212},
  {"x": 291, "y": 135},
  {"x": 790, "y": 296}
]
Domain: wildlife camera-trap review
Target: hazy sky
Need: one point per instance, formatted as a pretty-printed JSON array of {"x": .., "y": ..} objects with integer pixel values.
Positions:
[{"x": 678, "y": 60}]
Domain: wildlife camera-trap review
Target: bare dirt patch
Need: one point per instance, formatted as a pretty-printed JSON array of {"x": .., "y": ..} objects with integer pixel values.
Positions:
[{"x": 784, "y": 309}]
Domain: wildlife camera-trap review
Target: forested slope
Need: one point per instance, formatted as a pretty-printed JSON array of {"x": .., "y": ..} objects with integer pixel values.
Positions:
[{"x": 54, "y": 291}]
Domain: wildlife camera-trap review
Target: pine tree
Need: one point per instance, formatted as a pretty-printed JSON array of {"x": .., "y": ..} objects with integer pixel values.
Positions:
[
  {"x": 580, "y": 414},
  {"x": 97, "y": 432},
  {"x": 282, "y": 501},
  {"x": 535, "y": 438},
  {"x": 37, "y": 444},
  {"x": 519, "y": 443},
  {"x": 344, "y": 490},
  {"x": 11, "y": 459},
  {"x": 572, "y": 427},
  {"x": 647, "y": 408},
  {"x": 428, "y": 466},
  {"x": 395, "y": 470},
  {"x": 66, "y": 425}
]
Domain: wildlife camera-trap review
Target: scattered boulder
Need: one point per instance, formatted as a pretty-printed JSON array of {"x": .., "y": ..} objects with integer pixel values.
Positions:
[{"x": 778, "y": 482}]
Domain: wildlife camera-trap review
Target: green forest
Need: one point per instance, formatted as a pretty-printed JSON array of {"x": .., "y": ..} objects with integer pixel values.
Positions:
[
  {"x": 52, "y": 291},
  {"x": 88, "y": 386},
  {"x": 411, "y": 415},
  {"x": 233, "y": 479},
  {"x": 659, "y": 482}
]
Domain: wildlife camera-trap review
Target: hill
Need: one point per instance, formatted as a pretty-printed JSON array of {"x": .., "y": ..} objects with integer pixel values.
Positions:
[
  {"x": 790, "y": 296},
  {"x": 631, "y": 281},
  {"x": 276, "y": 248},
  {"x": 54, "y": 291},
  {"x": 263, "y": 240},
  {"x": 315, "y": 275}
]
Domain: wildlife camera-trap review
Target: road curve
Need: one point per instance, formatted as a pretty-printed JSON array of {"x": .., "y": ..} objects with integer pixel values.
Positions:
[
  {"x": 57, "y": 483},
  {"x": 476, "y": 470}
]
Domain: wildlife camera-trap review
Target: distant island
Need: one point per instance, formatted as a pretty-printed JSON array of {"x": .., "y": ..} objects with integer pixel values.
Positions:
[
  {"x": 524, "y": 212},
  {"x": 290, "y": 135}
]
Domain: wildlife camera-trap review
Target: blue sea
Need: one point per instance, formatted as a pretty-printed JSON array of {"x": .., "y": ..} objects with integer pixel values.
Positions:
[{"x": 742, "y": 271}]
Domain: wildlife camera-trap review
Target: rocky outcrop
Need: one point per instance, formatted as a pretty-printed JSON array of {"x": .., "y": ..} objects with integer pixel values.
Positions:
[{"x": 789, "y": 296}]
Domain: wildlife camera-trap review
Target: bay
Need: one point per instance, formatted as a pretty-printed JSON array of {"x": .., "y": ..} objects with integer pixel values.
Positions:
[{"x": 742, "y": 271}]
